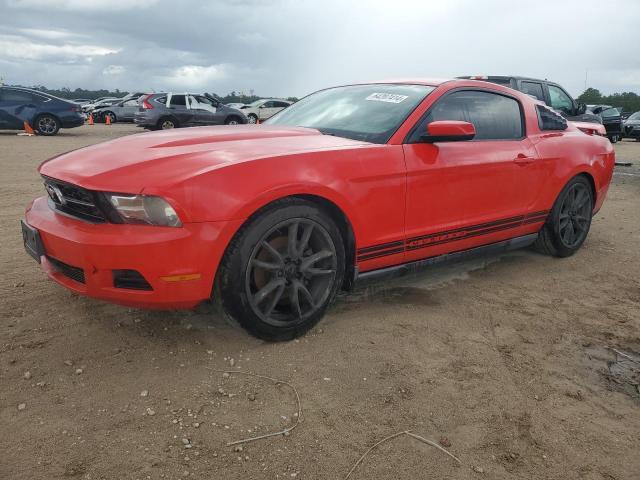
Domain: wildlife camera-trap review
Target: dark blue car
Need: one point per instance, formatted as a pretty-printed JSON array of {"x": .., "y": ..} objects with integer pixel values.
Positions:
[{"x": 45, "y": 113}]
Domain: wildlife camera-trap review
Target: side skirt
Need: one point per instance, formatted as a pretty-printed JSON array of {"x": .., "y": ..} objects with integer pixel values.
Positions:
[{"x": 411, "y": 267}]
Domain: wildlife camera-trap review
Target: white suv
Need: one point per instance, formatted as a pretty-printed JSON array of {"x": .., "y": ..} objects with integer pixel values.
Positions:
[{"x": 263, "y": 109}]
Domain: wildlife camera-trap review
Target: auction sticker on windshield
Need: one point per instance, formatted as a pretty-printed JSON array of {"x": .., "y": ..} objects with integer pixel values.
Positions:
[{"x": 387, "y": 97}]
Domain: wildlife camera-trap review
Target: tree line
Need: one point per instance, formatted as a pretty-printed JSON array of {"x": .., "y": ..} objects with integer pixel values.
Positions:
[{"x": 628, "y": 101}]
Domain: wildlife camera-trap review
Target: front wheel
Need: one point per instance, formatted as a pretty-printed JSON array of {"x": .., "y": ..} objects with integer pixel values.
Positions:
[
  {"x": 47, "y": 125},
  {"x": 568, "y": 223},
  {"x": 282, "y": 270}
]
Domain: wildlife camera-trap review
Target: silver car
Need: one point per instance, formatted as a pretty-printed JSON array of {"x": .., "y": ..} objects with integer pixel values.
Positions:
[
  {"x": 161, "y": 111},
  {"x": 122, "y": 111}
]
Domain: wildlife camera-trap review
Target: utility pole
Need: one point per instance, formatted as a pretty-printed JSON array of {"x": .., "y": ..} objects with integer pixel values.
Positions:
[{"x": 586, "y": 74}]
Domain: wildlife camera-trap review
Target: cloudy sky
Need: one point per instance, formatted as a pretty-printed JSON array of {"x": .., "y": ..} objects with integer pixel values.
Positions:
[{"x": 293, "y": 47}]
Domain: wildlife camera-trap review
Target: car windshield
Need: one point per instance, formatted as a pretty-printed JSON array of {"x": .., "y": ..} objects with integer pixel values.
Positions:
[
  {"x": 256, "y": 103},
  {"x": 610, "y": 112},
  {"x": 635, "y": 116},
  {"x": 371, "y": 113}
]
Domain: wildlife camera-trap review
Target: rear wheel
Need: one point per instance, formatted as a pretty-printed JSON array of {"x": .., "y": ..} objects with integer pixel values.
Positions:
[
  {"x": 282, "y": 270},
  {"x": 232, "y": 120},
  {"x": 167, "y": 123},
  {"x": 568, "y": 224},
  {"x": 47, "y": 125},
  {"x": 252, "y": 118}
]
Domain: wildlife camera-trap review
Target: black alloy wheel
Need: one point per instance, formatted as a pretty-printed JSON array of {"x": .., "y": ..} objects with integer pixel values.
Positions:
[
  {"x": 282, "y": 270},
  {"x": 291, "y": 272},
  {"x": 575, "y": 215},
  {"x": 569, "y": 221}
]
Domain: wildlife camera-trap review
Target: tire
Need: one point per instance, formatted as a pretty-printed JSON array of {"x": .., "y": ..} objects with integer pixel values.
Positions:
[
  {"x": 276, "y": 288},
  {"x": 46, "y": 125},
  {"x": 167, "y": 123},
  {"x": 232, "y": 120},
  {"x": 613, "y": 139},
  {"x": 253, "y": 118},
  {"x": 571, "y": 212}
]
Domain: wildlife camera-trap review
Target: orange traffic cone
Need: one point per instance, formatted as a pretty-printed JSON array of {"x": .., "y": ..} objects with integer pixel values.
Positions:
[
  {"x": 257, "y": 121},
  {"x": 27, "y": 128},
  {"x": 107, "y": 120},
  {"x": 91, "y": 119}
]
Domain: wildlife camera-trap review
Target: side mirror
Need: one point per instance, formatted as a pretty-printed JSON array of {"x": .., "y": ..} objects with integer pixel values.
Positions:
[
  {"x": 448, "y": 131},
  {"x": 582, "y": 108}
]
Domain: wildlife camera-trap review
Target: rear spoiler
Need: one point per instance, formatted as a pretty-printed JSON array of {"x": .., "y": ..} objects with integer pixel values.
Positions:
[{"x": 590, "y": 128}]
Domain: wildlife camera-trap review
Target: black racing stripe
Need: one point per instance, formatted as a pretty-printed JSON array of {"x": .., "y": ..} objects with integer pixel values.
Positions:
[
  {"x": 536, "y": 219},
  {"x": 469, "y": 235},
  {"x": 519, "y": 218},
  {"x": 381, "y": 246},
  {"x": 536, "y": 214},
  {"x": 392, "y": 248},
  {"x": 380, "y": 254}
]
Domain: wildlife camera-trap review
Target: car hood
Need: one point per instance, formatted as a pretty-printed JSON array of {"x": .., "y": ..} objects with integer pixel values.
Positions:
[{"x": 161, "y": 159}]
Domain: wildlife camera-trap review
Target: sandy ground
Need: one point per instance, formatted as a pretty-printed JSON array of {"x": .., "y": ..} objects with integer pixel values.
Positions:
[{"x": 507, "y": 361}]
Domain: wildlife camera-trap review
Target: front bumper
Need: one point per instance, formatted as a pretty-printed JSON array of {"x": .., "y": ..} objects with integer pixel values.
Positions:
[
  {"x": 632, "y": 132},
  {"x": 178, "y": 263}
]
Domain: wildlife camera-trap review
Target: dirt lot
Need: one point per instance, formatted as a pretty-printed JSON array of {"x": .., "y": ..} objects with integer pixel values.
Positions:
[{"x": 508, "y": 361}]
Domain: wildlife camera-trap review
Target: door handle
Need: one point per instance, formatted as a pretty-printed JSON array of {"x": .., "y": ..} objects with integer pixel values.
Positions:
[{"x": 522, "y": 159}]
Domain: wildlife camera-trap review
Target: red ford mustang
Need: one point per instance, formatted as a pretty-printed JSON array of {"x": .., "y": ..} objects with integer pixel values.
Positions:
[{"x": 347, "y": 184}]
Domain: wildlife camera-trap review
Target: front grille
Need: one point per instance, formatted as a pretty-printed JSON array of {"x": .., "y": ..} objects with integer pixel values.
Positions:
[
  {"x": 69, "y": 271},
  {"x": 73, "y": 200},
  {"x": 130, "y": 279}
]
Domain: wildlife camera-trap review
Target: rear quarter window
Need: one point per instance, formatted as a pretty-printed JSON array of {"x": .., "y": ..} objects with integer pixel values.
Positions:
[{"x": 550, "y": 120}]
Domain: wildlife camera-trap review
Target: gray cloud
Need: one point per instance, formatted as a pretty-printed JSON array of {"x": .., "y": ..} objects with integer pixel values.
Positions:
[{"x": 288, "y": 47}]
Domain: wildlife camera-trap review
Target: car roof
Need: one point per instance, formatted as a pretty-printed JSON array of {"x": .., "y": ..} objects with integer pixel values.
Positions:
[{"x": 503, "y": 77}]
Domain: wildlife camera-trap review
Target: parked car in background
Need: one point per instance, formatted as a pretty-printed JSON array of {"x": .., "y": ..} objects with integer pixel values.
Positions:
[
  {"x": 45, "y": 113},
  {"x": 162, "y": 111},
  {"x": 632, "y": 126},
  {"x": 105, "y": 102},
  {"x": 82, "y": 101},
  {"x": 263, "y": 109},
  {"x": 548, "y": 92},
  {"x": 134, "y": 95},
  {"x": 271, "y": 221},
  {"x": 235, "y": 105},
  {"x": 611, "y": 119},
  {"x": 122, "y": 111}
]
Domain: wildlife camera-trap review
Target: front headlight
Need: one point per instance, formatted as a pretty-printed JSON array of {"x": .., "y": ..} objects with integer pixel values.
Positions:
[{"x": 144, "y": 209}]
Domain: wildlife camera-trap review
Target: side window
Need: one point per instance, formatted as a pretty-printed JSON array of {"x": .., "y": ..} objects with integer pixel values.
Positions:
[
  {"x": 130, "y": 103},
  {"x": 560, "y": 100},
  {"x": 178, "y": 101},
  {"x": 494, "y": 116},
  {"x": 281, "y": 104},
  {"x": 268, "y": 105},
  {"x": 205, "y": 101},
  {"x": 162, "y": 100},
  {"x": 534, "y": 89},
  {"x": 16, "y": 96},
  {"x": 550, "y": 120}
]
